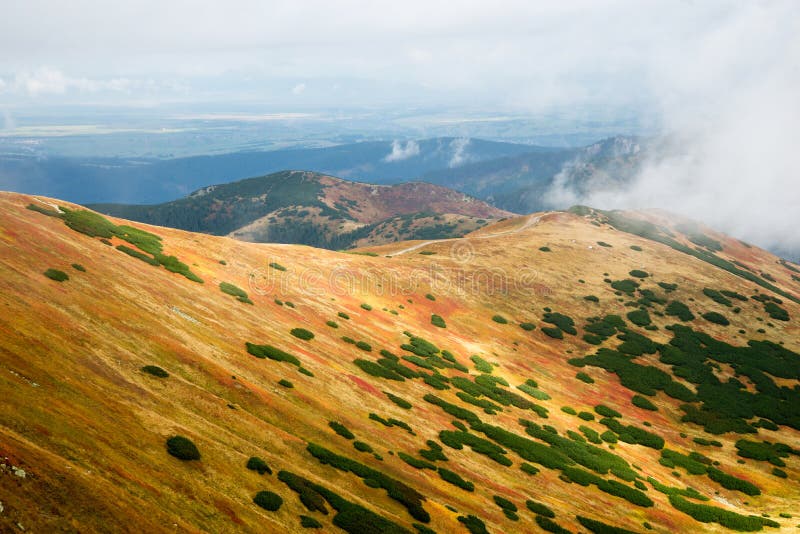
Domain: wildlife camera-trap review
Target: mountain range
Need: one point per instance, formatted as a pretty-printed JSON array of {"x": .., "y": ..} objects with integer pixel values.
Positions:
[{"x": 575, "y": 371}]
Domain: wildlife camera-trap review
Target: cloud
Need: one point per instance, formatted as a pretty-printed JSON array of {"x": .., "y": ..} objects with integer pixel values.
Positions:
[
  {"x": 400, "y": 152},
  {"x": 51, "y": 81},
  {"x": 730, "y": 107},
  {"x": 460, "y": 156},
  {"x": 298, "y": 89}
]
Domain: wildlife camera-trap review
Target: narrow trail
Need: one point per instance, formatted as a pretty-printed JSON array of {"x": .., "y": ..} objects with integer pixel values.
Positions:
[
  {"x": 54, "y": 206},
  {"x": 531, "y": 221}
]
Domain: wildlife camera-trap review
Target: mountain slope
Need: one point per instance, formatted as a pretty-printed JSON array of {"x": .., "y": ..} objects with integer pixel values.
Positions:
[
  {"x": 502, "y": 412},
  {"x": 313, "y": 209}
]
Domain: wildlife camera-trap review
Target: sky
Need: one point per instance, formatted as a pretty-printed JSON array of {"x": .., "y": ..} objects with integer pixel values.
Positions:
[
  {"x": 721, "y": 77},
  {"x": 521, "y": 55}
]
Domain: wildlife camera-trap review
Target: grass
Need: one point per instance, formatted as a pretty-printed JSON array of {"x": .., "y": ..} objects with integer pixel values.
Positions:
[
  {"x": 182, "y": 448},
  {"x": 55, "y": 274}
]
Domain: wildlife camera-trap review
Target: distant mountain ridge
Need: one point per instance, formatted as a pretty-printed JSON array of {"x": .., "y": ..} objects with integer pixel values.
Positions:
[{"x": 318, "y": 210}]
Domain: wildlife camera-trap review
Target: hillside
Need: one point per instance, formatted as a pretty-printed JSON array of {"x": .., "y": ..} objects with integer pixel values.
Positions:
[
  {"x": 317, "y": 210},
  {"x": 566, "y": 371}
]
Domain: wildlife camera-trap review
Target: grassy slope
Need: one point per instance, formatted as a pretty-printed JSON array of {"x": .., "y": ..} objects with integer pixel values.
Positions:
[{"x": 89, "y": 428}]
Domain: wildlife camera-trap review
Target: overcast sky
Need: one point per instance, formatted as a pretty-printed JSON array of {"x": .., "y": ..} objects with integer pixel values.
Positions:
[{"x": 509, "y": 54}]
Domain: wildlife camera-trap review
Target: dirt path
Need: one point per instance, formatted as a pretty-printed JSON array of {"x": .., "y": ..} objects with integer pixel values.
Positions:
[
  {"x": 531, "y": 221},
  {"x": 54, "y": 206}
]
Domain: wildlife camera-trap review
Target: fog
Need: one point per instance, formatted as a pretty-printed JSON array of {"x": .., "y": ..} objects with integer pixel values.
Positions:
[{"x": 730, "y": 105}]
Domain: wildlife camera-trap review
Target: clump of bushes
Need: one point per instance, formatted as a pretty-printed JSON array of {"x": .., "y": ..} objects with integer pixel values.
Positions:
[
  {"x": 230, "y": 289},
  {"x": 436, "y": 320},
  {"x": 680, "y": 310},
  {"x": 527, "y": 326},
  {"x": 638, "y": 273},
  {"x": 643, "y": 403},
  {"x": 603, "y": 244},
  {"x": 332, "y": 324},
  {"x": 583, "y": 377},
  {"x": 79, "y": 267},
  {"x": 429, "y": 296},
  {"x": 545, "y": 249},
  {"x": 155, "y": 371},
  {"x": 499, "y": 319},
  {"x": 639, "y": 317},
  {"x": 302, "y": 333},
  {"x": 363, "y": 345},
  {"x": 717, "y": 297},
  {"x": 716, "y": 318},
  {"x": 591, "y": 298},
  {"x": 182, "y": 448},
  {"x": 55, "y": 274},
  {"x": 402, "y": 403},
  {"x": 285, "y": 383},
  {"x": 366, "y": 306},
  {"x": 309, "y": 522},
  {"x": 273, "y": 353},
  {"x": 344, "y": 316},
  {"x": 268, "y": 500},
  {"x": 277, "y": 266},
  {"x": 455, "y": 479},
  {"x": 257, "y": 464},
  {"x": 625, "y": 286},
  {"x": 553, "y": 332}
]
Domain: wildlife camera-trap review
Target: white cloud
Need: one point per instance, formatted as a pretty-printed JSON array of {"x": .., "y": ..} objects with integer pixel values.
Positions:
[
  {"x": 400, "y": 152},
  {"x": 51, "y": 81},
  {"x": 459, "y": 148},
  {"x": 298, "y": 89}
]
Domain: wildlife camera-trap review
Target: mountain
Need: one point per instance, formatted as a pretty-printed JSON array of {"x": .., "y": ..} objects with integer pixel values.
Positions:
[
  {"x": 318, "y": 210},
  {"x": 523, "y": 183},
  {"x": 150, "y": 181},
  {"x": 565, "y": 371}
]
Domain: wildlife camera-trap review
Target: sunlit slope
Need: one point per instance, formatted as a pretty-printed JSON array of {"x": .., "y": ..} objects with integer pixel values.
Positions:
[{"x": 463, "y": 376}]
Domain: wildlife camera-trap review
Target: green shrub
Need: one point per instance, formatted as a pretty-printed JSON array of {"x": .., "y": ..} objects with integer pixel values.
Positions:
[
  {"x": 455, "y": 479},
  {"x": 643, "y": 403},
  {"x": 309, "y": 522},
  {"x": 548, "y": 525},
  {"x": 637, "y": 273},
  {"x": 182, "y": 448},
  {"x": 539, "y": 508},
  {"x": 716, "y": 296},
  {"x": 586, "y": 416},
  {"x": 605, "y": 411},
  {"x": 776, "y": 312},
  {"x": 343, "y": 315},
  {"x": 637, "y": 248},
  {"x": 716, "y": 318},
  {"x": 234, "y": 291},
  {"x": 561, "y": 321},
  {"x": 332, "y": 324},
  {"x": 285, "y": 383},
  {"x": 598, "y": 527},
  {"x": 377, "y": 370},
  {"x": 504, "y": 503},
  {"x": 340, "y": 429},
  {"x": 473, "y": 524},
  {"x": 55, "y": 274},
  {"x": 625, "y": 286},
  {"x": 553, "y": 332},
  {"x": 362, "y": 447},
  {"x": 680, "y": 310},
  {"x": 583, "y": 377},
  {"x": 569, "y": 410},
  {"x": 268, "y": 351},
  {"x": 304, "y": 371},
  {"x": 726, "y": 518},
  {"x": 268, "y": 500},
  {"x": 437, "y": 320},
  {"x": 155, "y": 371},
  {"x": 481, "y": 365},
  {"x": 639, "y": 317},
  {"x": 603, "y": 244},
  {"x": 402, "y": 403},
  {"x": 527, "y": 326},
  {"x": 257, "y": 464},
  {"x": 79, "y": 267},
  {"x": 591, "y": 298},
  {"x": 429, "y": 296},
  {"x": 363, "y": 345},
  {"x": 302, "y": 333},
  {"x": 366, "y": 306},
  {"x": 545, "y": 249},
  {"x": 277, "y": 266},
  {"x": 499, "y": 319}
]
